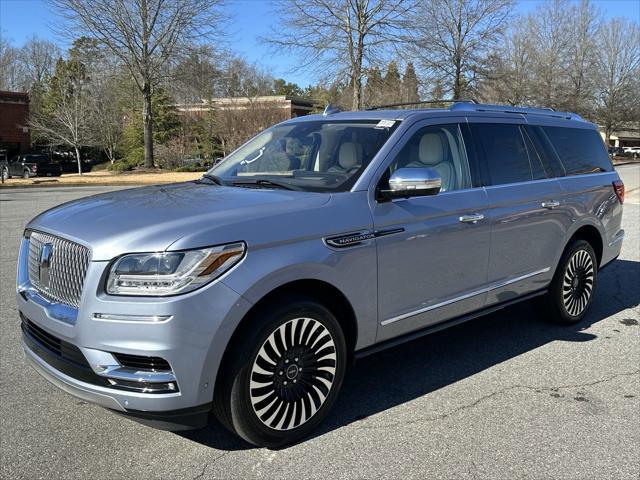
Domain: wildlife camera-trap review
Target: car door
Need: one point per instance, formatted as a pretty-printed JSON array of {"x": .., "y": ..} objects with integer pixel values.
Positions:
[
  {"x": 432, "y": 250},
  {"x": 15, "y": 166},
  {"x": 526, "y": 209}
]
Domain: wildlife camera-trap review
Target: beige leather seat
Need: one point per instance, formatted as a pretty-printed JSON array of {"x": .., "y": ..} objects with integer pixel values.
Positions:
[
  {"x": 349, "y": 159},
  {"x": 433, "y": 153}
]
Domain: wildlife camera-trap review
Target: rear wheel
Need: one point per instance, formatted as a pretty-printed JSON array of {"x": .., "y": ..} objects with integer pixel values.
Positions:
[
  {"x": 25, "y": 174},
  {"x": 573, "y": 285},
  {"x": 279, "y": 386}
]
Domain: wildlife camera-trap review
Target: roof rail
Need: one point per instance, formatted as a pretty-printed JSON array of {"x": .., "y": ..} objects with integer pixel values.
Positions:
[
  {"x": 422, "y": 102},
  {"x": 545, "y": 111}
]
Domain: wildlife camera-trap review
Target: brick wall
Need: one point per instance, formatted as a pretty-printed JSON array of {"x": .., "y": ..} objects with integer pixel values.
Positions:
[{"x": 14, "y": 115}]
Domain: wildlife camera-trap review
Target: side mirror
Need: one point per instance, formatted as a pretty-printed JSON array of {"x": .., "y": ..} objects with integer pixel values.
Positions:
[{"x": 413, "y": 182}]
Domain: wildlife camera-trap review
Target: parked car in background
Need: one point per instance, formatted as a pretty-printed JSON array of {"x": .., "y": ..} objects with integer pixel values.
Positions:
[
  {"x": 632, "y": 151},
  {"x": 196, "y": 162},
  {"x": 31, "y": 165},
  {"x": 615, "y": 151},
  {"x": 325, "y": 238}
]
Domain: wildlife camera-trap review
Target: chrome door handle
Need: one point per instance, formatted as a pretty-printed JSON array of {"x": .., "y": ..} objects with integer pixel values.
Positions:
[
  {"x": 550, "y": 204},
  {"x": 471, "y": 218}
]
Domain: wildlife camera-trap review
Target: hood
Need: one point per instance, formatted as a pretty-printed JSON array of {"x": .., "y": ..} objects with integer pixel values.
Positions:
[{"x": 176, "y": 217}]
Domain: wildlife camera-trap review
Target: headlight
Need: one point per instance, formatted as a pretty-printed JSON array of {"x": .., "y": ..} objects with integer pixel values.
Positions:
[{"x": 169, "y": 273}]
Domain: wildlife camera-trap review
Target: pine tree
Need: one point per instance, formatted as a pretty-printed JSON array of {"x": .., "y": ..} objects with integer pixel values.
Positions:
[
  {"x": 410, "y": 84},
  {"x": 392, "y": 85},
  {"x": 373, "y": 88}
]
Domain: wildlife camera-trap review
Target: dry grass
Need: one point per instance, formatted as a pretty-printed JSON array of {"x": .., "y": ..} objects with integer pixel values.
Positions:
[{"x": 106, "y": 178}]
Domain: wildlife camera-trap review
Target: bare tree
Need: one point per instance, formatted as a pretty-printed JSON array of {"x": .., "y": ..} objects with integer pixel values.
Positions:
[
  {"x": 340, "y": 38},
  {"x": 107, "y": 106},
  {"x": 234, "y": 124},
  {"x": 583, "y": 53},
  {"x": 11, "y": 72},
  {"x": 617, "y": 70},
  {"x": 452, "y": 39},
  {"x": 39, "y": 59},
  {"x": 145, "y": 35},
  {"x": 509, "y": 77},
  {"x": 66, "y": 117},
  {"x": 549, "y": 29}
]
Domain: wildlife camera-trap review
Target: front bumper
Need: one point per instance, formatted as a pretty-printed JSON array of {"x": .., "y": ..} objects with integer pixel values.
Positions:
[{"x": 191, "y": 338}]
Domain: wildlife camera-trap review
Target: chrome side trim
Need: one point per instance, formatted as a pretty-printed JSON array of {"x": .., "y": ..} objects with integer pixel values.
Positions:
[
  {"x": 487, "y": 289},
  {"x": 618, "y": 237}
]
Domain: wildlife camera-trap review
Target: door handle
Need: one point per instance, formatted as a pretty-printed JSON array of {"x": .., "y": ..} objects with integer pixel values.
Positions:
[
  {"x": 471, "y": 218},
  {"x": 550, "y": 204}
]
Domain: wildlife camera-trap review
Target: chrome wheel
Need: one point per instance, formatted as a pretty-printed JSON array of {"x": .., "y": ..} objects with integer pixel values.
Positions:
[
  {"x": 293, "y": 373},
  {"x": 577, "y": 285}
]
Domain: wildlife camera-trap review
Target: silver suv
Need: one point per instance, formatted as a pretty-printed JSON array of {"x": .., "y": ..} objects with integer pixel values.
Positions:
[{"x": 248, "y": 292}]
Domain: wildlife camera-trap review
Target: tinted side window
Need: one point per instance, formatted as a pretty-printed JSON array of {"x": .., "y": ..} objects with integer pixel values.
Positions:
[
  {"x": 506, "y": 158},
  {"x": 580, "y": 150}
]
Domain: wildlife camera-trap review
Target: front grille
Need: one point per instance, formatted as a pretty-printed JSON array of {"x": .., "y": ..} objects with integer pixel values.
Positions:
[
  {"x": 147, "y": 363},
  {"x": 54, "y": 345},
  {"x": 67, "y": 268}
]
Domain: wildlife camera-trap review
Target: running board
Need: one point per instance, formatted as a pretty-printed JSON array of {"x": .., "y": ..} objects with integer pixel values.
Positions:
[{"x": 378, "y": 347}]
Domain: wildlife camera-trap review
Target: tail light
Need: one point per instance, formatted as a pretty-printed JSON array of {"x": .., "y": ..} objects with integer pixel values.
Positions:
[
  {"x": 34, "y": 168},
  {"x": 618, "y": 187}
]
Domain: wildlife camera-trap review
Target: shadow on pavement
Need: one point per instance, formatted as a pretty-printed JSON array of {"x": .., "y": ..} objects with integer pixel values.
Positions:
[{"x": 401, "y": 374}]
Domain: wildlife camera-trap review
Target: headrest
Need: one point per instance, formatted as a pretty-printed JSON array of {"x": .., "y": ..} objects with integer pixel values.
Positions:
[
  {"x": 431, "y": 150},
  {"x": 348, "y": 156}
]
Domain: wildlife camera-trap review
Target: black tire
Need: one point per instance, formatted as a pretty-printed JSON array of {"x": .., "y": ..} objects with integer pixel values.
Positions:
[
  {"x": 573, "y": 286},
  {"x": 5, "y": 174},
  {"x": 284, "y": 404},
  {"x": 26, "y": 174}
]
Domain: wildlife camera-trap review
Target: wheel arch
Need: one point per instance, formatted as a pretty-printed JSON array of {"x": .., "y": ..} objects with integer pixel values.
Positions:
[
  {"x": 591, "y": 234},
  {"x": 323, "y": 292}
]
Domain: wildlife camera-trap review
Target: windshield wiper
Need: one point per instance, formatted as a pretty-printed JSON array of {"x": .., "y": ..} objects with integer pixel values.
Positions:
[
  {"x": 214, "y": 178},
  {"x": 267, "y": 183}
]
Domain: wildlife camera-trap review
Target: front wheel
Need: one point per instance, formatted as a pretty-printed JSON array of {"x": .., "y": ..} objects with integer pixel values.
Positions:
[
  {"x": 280, "y": 384},
  {"x": 25, "y": 174},
  {"x": 573, "y": 285},
  {"x": 5, "y": 174}
]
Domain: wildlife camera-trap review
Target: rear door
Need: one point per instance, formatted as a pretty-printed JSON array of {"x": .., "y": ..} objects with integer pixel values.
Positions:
[{"x": 525, "y": 208}]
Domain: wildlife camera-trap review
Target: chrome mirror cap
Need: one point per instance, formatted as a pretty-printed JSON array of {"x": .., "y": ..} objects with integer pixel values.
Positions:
[{"x": 411, "y": 182}]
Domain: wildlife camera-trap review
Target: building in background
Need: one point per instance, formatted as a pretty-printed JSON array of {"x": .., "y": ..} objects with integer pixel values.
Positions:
[
  {"x": 290, "y": 107},
  {"x": 623, "y": 138},
  {"x": 15, "y": 136}
]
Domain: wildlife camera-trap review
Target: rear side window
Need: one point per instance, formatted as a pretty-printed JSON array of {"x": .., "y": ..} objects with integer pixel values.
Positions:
[
  {"x": 506, "y": 157},
  {"x": 580, "y": 150}
]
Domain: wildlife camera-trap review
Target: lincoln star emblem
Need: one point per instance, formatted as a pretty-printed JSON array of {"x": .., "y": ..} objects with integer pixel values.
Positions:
[{"x": 44, "y": 264}]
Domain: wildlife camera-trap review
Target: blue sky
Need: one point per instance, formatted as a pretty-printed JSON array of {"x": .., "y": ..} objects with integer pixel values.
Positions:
[{"x": 20, "y": 19}]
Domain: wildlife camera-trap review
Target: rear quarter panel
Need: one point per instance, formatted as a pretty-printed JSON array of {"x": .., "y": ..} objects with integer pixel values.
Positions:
[{"x": 591, "y": 200}]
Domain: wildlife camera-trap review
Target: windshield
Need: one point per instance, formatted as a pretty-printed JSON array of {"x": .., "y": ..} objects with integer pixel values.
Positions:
[{"x": 320, "y": 156}]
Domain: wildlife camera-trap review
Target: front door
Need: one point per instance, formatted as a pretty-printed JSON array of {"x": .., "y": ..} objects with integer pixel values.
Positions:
[{"x": 432, "y": 250}]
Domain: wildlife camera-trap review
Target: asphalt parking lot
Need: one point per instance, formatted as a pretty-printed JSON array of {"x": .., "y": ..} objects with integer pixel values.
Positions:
[{"x": 505, "y": 396}]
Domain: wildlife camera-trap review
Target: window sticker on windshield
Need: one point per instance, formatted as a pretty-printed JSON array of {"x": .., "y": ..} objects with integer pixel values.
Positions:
[{"x": 385, "y": 123}]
